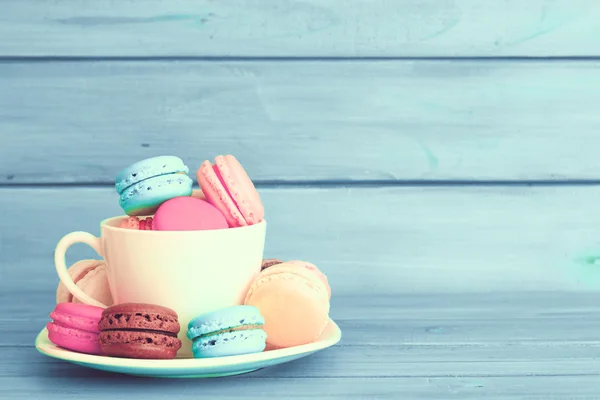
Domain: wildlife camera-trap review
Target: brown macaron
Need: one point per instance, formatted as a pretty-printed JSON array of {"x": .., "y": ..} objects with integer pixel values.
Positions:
[
  {"x": 136, "y": 330},
  {"x": 269, "y": 262}
]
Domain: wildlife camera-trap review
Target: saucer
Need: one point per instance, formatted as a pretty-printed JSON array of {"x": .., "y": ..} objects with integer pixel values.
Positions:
[{"x": 190, "y": 367}]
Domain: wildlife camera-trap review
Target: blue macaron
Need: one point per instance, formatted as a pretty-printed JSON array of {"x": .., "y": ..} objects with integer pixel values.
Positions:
[
  {"x": 145, "y": 185},
  {"x": 227, "y": 332}
]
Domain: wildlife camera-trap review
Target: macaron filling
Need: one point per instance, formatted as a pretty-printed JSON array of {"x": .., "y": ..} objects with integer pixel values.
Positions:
[
  {"x": 213, "y": 324},
  {"x": 123, "y": 337},
  {"x": 166, "y": 333},
  {"x": 227, "y": 330}
]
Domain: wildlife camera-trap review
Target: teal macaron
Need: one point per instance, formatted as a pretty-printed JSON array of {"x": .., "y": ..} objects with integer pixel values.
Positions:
[
  {"x": 145, "y": 185},
  {"x": 230, "y": 331}
]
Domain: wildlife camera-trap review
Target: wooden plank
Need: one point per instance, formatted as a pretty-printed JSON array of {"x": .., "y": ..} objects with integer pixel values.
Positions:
[
  {"x": 374, "y": 348},
  {"x": 386, "y": 240},
  {"x": 286, "y": 28},
  {"x": 99, "y": 385},
  {"x": 413, "y": 335},
  {"x": 303, "y": 121},
  {"x": 384, "y": 362},
  {"x": 468, "y": 327}
]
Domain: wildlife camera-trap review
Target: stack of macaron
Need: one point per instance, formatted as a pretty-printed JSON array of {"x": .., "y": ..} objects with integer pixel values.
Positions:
[
  {"x": 157, "y": 194},
  {"x": 149, "y": 331},
  {"x": 286, "y": 305},
  {"x": 128, "y": 330}
]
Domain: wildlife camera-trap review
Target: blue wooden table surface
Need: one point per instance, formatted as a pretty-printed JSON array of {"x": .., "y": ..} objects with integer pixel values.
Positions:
[{"x": 438, "y": 160}]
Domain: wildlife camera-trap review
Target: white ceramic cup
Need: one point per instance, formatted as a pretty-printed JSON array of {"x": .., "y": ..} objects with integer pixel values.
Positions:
[{"x": 191, "y": 272}]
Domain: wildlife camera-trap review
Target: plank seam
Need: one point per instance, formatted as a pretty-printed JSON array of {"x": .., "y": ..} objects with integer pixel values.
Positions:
[
  {"x": 267, "y": 184},
  {"x": 184, "y": 58}
]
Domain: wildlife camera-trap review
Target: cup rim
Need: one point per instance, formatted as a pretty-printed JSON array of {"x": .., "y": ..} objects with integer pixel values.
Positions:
[{"x": 104, "y": 224}]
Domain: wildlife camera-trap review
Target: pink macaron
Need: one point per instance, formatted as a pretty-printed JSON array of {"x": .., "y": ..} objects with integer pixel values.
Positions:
[
  {"x": 137, "y": 224},
  {"x": 227, "y": 186},
  {"x": 75, "y": 327},
  {"x": 188, "y": 214}
]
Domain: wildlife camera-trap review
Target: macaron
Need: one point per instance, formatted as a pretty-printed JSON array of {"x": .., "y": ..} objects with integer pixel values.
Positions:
[
  {"x": 294, "y": 302},
  {"x": 226, "y": 185},
  {"x": 188, "y": 214},
  {"x": 75, "y": 327},
  {"x": 269, "y": 262},
  {"x": 90, "y": 276},
  {"x": 136, "y": 330},
  {"x": 227, "y": 332},
  {"x": 147, "y": 184},
  {"x": 138, "y": 224}
]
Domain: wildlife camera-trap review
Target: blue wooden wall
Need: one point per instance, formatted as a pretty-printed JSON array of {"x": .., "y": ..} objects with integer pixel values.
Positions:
[{"x": 427, "y": 154}]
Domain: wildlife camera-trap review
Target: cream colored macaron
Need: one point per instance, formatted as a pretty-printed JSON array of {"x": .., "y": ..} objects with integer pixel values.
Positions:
[{"x": 294, "y": 302}]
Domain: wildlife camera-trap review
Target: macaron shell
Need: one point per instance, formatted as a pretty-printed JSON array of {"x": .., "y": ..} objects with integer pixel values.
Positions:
[
  {"x": 148, "y": 168},
  {"x": 140, "y": 308},
  {"x": 310, "y": 278},
  {"x": 295, "y": 311},
  {"x": 217, "y": 195},
  {"x": 315, "y": 270},
  {"x": 140, "y": 344},
  {"x": 77, "y": 316},
  {"x": 230, "y": 343},
  {"x": 188, "y": 214},
  {"x": 139, "y": 316},
  {"x": 239, "y": 185},
  {"x": 145, "y": 197},
  {"x": 73, "y": 339}
]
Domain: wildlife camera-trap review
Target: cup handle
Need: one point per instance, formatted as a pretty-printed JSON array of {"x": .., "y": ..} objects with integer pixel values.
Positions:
[{"x": 61, "y": 266}]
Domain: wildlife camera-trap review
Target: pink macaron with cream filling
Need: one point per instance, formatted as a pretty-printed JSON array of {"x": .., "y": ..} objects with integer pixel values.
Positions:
[
  {"x": 226, "y": 185},
  {"x": 188, "y": 214},
  {"x": 75, "y": 327}
]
